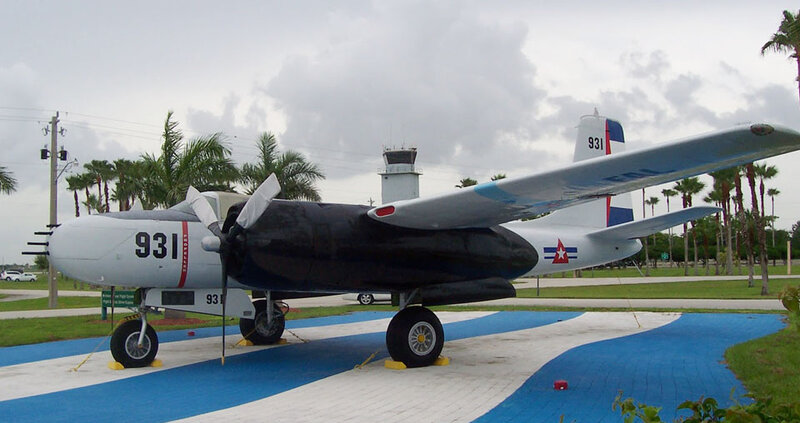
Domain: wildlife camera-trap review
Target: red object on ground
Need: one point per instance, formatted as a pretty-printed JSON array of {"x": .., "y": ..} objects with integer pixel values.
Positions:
[
  {"x": 191, "y": 333},
  {"x": 560, "y": 385}
]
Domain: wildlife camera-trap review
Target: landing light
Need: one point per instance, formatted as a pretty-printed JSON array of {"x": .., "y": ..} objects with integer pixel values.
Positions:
[{"x": 384, "y": 211}]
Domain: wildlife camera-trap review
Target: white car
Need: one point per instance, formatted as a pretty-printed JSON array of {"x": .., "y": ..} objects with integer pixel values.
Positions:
[
  {"x": 13, "y": 275},
  {"x": 367, "y": 298},
  {"x": 8, "y": 274}
]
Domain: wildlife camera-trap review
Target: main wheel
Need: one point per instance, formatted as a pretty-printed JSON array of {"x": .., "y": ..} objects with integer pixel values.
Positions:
[
  {"x": 415, "y": 337},
  {"x": 125, "y": 344},
  {"x": 258, "y": 330},
  {"x": 366, "y": 299}
]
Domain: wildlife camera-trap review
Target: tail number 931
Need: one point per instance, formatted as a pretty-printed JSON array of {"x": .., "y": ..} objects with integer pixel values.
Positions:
[{"x": 160, "y": 245}]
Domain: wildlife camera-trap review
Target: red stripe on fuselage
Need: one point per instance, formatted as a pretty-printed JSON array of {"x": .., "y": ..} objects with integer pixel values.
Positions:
[{"x": 185, "y": 255}]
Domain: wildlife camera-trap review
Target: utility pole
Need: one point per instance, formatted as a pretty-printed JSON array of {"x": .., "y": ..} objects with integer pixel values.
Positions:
[
  {"x": 51, "y": 271},
  {"x": 54, "y": 155}
]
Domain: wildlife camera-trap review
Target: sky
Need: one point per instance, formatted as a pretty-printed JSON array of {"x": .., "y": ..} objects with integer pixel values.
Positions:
[{"x": 478, "y": 88}]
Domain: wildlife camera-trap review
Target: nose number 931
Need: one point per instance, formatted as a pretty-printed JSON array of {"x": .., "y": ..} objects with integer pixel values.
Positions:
[{"x": 159, "y": 245}]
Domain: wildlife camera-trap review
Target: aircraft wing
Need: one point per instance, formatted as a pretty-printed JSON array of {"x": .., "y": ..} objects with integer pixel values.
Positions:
[
  {"x": 510, "y": 199},
  {"x": 649, "y": 226}
]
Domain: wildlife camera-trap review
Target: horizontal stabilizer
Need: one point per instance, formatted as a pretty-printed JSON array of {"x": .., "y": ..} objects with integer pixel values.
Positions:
[{"x": 649, "y": 226}]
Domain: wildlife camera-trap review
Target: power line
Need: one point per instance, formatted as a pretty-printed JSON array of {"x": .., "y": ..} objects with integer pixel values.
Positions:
[{"x": 29, "y": 109}]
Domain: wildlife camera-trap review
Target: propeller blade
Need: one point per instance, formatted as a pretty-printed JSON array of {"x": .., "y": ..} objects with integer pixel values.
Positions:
[
  {"x": 202, "y": 209},
  {"x": 224, "y": 300},
  {"x": 258, "y": 202}
]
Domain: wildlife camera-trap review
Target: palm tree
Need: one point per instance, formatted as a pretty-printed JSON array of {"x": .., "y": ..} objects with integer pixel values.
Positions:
[
  {"x": 723, "y": 184},
  {"x": 295, "y": 174},
  {"x": 706, "y": 228},
  {"x": 786, "y": 40},
  {"x": 203, "y": 162},
  {"x": 750, "y": 171},
  {"x": 74, "y": 185},
  {"x": 717, "y": 197},
  {"x": 764, "y": 171},
  {"x": 466, "y": 182},
  {"x": 667, "y": 193},
  {"x": 744, "y": 225},
  {"x": 7, "y": 182},
  {"x": 499, "y": 176},
  {"x": 688, "y": 187},
  {"x": 102, "y": 171},
  {"x": 94, "y": 203},
  {"x": 772, "y": 192},
  {"x": 129, "y": 175},
  {"x": 652, "y": 201}
]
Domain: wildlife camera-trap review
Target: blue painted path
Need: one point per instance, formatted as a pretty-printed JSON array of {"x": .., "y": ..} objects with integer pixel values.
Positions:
[{"x": 662, "y": 367}]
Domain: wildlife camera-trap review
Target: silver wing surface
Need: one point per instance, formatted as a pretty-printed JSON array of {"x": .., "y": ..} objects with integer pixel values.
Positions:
[{"x": 510, "y": 199}]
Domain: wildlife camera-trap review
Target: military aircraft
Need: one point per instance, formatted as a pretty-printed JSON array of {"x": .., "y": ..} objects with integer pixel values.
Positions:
[{"x": 462, "y": 246}]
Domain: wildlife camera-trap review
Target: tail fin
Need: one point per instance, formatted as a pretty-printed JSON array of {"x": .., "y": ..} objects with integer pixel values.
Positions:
[{"x": 597, "y": 136}]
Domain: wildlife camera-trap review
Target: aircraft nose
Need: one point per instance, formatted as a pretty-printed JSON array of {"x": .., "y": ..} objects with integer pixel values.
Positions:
[{"x": 76, "y": 246}]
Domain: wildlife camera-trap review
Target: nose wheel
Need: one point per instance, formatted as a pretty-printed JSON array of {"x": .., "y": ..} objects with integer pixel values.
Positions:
[
  {"x": 415, "y": 337},
  {"x": 126, "y": 348}
]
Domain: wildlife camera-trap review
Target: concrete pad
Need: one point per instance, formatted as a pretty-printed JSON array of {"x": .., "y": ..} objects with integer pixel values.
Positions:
[{"x": 483, "y": 371}]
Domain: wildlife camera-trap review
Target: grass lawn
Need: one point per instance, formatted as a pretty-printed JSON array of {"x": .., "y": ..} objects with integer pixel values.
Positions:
[
  {"x": 41, "y": 303},
  {"x": 769, "y": 366},
  {"x": 631, "y": 271},
  {"x": 698, "y": 289}
]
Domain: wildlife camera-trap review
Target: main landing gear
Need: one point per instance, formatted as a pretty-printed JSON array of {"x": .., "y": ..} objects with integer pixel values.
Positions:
[
  {"x": 415, "y": 337},
  {"x": 261, "y": 330}
]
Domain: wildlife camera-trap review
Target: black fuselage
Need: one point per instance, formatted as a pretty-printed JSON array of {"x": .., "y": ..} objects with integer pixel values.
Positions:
[{"x": 305, "y": 246}]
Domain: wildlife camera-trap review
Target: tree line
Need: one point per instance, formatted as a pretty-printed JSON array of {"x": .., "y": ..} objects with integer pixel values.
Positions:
[
  {"x": 739, "y": 231},
  {"x": 203, "y": 162}
]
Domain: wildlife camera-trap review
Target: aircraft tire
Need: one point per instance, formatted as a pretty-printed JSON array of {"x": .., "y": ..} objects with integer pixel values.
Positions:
[
  {"x": 415, "y": 337},
  {"x": 124, "y": 345},
  {"x": 260, "y": 334},
  {"x": 366, "y": 299}
]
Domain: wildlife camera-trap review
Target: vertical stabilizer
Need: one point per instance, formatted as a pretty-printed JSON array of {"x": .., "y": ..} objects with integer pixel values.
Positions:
[{"x": 597, "y": 136}]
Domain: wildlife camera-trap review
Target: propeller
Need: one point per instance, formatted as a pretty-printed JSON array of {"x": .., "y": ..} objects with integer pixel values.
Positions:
[{"x": 252, "y": 210}]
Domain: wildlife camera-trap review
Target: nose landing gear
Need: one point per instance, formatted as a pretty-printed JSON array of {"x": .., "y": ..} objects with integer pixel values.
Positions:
[{"x": 132, "y": 348}]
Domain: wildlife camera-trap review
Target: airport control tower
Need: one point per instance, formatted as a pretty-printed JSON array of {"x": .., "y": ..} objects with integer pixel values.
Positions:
[{"x": 400, "y": 180}]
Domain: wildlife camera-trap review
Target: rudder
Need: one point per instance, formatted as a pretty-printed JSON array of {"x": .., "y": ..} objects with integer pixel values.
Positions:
[{"x": 597, "y": 136}]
